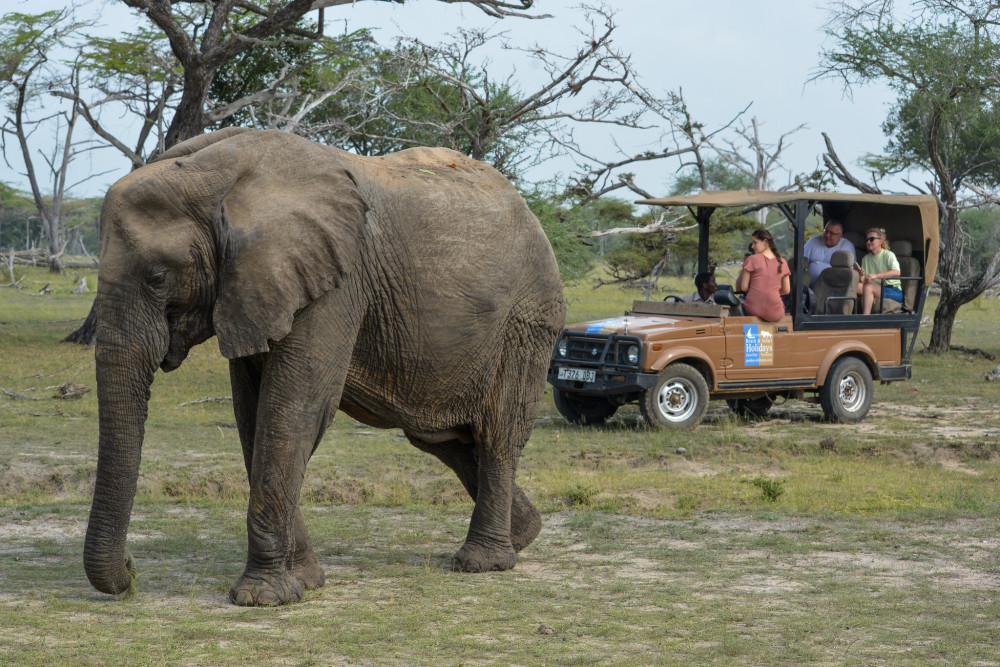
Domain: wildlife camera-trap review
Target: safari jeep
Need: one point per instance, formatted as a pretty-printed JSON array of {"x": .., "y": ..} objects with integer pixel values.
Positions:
[{"x": 673, "y": 357}]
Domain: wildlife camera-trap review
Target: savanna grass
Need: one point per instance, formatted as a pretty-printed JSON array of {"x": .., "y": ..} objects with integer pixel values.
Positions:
[{"x": 658, "y": 547}]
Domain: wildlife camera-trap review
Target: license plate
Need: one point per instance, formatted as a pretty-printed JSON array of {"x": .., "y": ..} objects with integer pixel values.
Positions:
[{"x": 578, "y": 374}]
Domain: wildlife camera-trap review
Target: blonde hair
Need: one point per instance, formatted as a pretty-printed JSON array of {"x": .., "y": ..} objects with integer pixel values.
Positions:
[{"x": 881, "y": 232}]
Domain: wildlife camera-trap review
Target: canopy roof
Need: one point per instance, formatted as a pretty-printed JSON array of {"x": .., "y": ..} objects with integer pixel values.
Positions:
[{"x": 913, "y": 217}]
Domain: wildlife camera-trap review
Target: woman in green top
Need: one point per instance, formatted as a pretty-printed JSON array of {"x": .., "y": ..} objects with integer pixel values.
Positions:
[{"x": 879, "y": 264}]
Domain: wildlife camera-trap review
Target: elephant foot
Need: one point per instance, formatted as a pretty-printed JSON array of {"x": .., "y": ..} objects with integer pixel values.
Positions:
[
  {"x": 266, "y": 590},
  {"x": 309, "y": 571},
  {"x": 474, "y": 557},
  {"x": 525, "y": 521}
]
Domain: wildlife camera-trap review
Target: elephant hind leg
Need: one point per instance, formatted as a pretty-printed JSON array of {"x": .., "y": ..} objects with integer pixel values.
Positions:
[
  {"x": 525, "y": 520},
  {"x": 504, "y": 519}
]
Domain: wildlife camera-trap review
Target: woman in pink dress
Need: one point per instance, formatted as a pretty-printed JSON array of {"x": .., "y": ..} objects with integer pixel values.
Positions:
[{"x": 764, "y": 278}]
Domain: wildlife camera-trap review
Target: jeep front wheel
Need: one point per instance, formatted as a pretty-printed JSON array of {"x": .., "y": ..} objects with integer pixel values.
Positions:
[
  {"x": 846, "y": 396},
  {"x": 678, "y": 400},
  {"x": 583, "y": 409}
]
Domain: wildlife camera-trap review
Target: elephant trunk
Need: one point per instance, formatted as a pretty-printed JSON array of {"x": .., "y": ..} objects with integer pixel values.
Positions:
[{"x": 124, "y": 375}]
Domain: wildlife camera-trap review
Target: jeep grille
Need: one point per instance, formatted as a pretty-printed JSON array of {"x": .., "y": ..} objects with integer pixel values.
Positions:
[{"x": 585, "y": 349}]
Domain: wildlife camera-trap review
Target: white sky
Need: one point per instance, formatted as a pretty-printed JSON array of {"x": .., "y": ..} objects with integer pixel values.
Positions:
[{"x": 723, "y": 54}]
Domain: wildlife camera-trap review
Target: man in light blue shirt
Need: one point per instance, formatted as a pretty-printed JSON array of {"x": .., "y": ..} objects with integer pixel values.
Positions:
[{"x": 819, "y": 249}]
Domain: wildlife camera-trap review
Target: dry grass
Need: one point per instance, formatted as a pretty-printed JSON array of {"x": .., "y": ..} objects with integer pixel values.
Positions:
[{"x": 881, "y": 547}]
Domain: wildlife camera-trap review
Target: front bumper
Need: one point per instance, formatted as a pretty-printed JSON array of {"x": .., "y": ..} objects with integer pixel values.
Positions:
[
  {"x": 606, "y": 356},
  {"x": 608, "y": 382}
]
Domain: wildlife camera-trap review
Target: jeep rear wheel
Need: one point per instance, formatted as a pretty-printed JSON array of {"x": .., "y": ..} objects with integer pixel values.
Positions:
[
  {"x": 846, "y": 396},
  {"x": 678, "y": 400},
  {"x": 583, "y": 409}
]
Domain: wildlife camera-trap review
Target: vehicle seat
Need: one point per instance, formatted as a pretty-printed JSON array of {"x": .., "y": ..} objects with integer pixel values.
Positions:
[
  {"x": 909, "y": 267},
  {"x": 724, "y": 296},
  {"x": 857, "y": 240},
  {"x": 836, "y": 288}
]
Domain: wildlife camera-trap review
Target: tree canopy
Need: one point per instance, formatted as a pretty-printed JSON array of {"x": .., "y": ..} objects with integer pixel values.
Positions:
[{"x": 941, "y": 58}]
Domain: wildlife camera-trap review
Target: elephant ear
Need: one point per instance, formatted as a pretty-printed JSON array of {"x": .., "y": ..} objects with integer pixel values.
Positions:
[{"x": 288, "y": 230}]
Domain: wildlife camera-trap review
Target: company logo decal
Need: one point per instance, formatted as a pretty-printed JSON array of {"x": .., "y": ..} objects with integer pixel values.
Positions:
[
  {"x": 606, "y": 326},
  {"x": 758, "y": 344}
]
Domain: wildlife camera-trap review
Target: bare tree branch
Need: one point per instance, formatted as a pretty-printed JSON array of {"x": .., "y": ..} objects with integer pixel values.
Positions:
[
  {"x": 661, "y": 224},
  {"x": 841, "y": 172}
]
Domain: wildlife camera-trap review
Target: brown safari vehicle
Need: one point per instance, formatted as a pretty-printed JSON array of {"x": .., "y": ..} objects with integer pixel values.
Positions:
[{"x": 672, "y": 358}]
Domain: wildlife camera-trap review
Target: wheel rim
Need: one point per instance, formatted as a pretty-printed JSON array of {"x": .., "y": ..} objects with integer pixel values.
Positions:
[
  {"x": 852, "y": 392},
  {"x": 677, "y": 400}
]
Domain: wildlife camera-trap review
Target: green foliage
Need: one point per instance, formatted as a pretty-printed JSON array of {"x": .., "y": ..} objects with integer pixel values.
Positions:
[
  {"x": 942, "y": 65},
  {"x": 568, "y": 224},
  {"x": 321, "y": 64},
  {"x": 21, "y": 229},
  {"x": 24, "y": 42},
  {"x": 770, "y": 489},
  {"x": 982, "y": 227},
  {"x": 384, "y": 102},
  {"x": 133, "y": 55},
  {"x": 18, "y": 219},
  {"x": 566, "y": 231},
  {"x": 719, "y": 175}
]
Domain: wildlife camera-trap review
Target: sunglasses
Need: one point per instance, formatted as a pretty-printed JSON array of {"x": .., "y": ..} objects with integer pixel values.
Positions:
[
  {"x": 829, "y": 233},
  {"x": 873, "y": 238}
]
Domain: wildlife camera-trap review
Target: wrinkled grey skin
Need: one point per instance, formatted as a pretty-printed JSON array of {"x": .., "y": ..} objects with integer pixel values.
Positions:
[{"x": 414, "y": 291}]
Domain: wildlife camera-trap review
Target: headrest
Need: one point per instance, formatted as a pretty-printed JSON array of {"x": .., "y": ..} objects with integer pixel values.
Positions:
[
  {"x": 901, "y": 248},
  {"x": 841, "y": 259},
  {"x": 855, "y": 238}
]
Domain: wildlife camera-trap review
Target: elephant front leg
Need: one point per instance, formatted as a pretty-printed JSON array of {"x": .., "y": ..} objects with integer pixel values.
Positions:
[
  {"x": 269, "y": 577},
  {"x": 246, "y": 376}
]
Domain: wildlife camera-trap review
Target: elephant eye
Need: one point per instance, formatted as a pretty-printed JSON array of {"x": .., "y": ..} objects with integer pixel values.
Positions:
[{"x": 157, "y": 279}]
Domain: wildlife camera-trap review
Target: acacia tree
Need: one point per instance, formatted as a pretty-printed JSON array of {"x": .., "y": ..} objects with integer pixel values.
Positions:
[
  {"x": 941, "y": 58},
  {"x": 205, "y": 36},
  {"x": 135, "y": 72},
  {"x": 27, "y": 78}
]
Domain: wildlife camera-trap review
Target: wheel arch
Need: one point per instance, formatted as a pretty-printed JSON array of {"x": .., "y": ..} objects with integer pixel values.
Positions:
[
  {"x": 690, "y": 356},
  {"x": 861, "y": 352}
]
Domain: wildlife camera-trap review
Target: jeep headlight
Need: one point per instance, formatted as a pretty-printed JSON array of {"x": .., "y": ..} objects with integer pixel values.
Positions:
[
  {"x": 632, "y": 354},
  {"x": 561, "y": 347}
]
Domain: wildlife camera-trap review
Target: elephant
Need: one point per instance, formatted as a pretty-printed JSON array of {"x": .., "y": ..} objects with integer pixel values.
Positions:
[{"x": 414, "y": 291}]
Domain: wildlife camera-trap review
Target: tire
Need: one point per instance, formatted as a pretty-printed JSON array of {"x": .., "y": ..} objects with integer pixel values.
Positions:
[
  {"x": 751, "y": 408},
  {"x": 846, "y": 397},
  {"x": 582, "y": 409},
  {"x": 678, "y": 400}
]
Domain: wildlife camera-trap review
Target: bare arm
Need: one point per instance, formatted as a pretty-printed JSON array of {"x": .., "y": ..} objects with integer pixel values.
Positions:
[{"x": 743, "y": 281}]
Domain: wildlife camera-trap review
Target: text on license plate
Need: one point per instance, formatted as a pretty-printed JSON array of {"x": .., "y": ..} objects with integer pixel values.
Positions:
[{"x": 577, "y": 374}]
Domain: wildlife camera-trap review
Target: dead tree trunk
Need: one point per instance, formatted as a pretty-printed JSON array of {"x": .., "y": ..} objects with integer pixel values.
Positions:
[{"x": 87, "y": 333}]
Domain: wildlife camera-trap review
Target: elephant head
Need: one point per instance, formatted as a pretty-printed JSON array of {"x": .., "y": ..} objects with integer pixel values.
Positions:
[{"x": 228, "y": 234}]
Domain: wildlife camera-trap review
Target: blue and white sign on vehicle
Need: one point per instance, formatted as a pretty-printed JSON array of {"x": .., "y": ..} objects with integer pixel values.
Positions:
[
  {"x": 606, "y": 326},
  {"x": 758, "y": 344}
]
